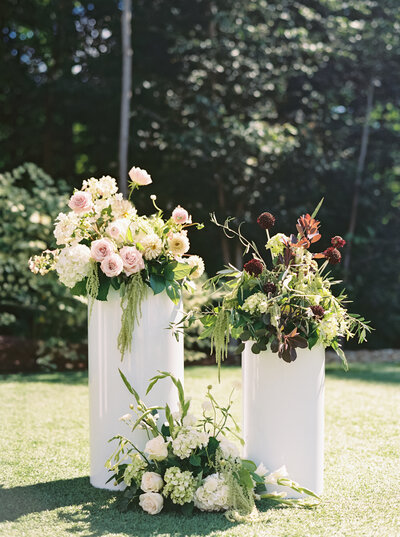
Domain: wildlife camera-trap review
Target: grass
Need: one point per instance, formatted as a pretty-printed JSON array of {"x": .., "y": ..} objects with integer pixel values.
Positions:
[{"x": 44, "y": 461}]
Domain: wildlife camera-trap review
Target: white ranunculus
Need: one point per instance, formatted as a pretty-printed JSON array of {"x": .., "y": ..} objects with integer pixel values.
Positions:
[
  {"x": 139, "y": 176},
  {"x": 261, "y": 470},
  {"x": 229, "y": 449},
  {"x": 151, "y": 502},
  {"x": 151, "y": 482},
  {"x": 273, "y": 477},
  {"x": 157, "y": 448}
]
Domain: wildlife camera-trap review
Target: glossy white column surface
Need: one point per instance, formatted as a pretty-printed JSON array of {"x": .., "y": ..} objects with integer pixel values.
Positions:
[
  {"x": 153, "y": 348},
  {"x": 283, "y": 414}
]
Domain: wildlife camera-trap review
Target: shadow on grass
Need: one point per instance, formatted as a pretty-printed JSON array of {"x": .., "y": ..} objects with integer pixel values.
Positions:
[
  {"x": 93, "y": 512},
  {"x": 374, "y": 372},
  {"x": 70, "y": 377}
]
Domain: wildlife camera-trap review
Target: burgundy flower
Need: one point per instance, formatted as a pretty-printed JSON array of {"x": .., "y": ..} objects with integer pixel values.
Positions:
[
  {"x": 266, "y": 221},
  {"x": 254, "y": 267},
  {"x": 333, "y": 255},
  {"x": 338, "y": 242},
  {"x": 269, "y": 287},
  {"x": 318, "y": 311}
]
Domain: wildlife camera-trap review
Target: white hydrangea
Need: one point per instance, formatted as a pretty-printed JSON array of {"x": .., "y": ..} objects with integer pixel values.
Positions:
[
  {"x": 152, "y": 246},
  {"x": 275, "y": 243},
  {"x": 65, "y": 226},
  {"x": 187, "y": 440},
  {"x": 213, "y": 494},
  {"x": 107, "y": 186},
  {"x": 257, "y": 303},
  {"x": 73, "y": 264}
]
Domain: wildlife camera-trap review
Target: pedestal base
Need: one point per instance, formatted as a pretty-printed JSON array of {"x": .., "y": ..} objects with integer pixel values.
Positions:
[{"x": 153, "y": 348}]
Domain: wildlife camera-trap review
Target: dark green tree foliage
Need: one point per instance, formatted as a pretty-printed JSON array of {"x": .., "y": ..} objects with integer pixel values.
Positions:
[{"x": 238, "y": 107}]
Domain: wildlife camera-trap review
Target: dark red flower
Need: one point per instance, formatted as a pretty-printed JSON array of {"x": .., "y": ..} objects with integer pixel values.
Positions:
[
  {"x": 269, "y": 287},
  {"x": 266, "y": 221},
  {"x": 333, "y": 255},
  {"x": 318, "y": 311},
  {"x": 338, "y": 242},
  {"x": 254, "y": 267}
]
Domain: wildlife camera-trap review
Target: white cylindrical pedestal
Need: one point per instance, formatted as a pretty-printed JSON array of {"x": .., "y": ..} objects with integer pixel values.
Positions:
[
  {"x": 154, "y": 348},
  {"x": 283, "y": 414}
]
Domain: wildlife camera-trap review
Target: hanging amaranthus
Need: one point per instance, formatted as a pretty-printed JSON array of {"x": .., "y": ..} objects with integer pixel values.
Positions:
[{"x": 131, "y": 302}]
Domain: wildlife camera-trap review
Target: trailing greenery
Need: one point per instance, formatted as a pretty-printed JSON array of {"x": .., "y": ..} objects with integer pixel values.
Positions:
[
  {"x": 133, "y": 292},
  {"x": 92, "y": 285},
  {"x": 220, "y": 335}
]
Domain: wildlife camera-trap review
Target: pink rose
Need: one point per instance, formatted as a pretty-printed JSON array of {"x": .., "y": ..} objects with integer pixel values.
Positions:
[
  {"x": 139, "y": 176},
  {"x": 132, "y": 260},
  {"x": 101, "y": 249},
  {"x": 180, "y": 215},
  {"x": 112, "y": 265},
  {"x": 81, "y": 202}
]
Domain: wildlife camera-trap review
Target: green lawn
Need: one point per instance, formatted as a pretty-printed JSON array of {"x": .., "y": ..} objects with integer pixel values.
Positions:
[{"x": 44, "y": 461}]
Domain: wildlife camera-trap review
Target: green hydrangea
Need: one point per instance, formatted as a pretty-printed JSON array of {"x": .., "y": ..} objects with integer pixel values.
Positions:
[
  {"x": 179, "y": 486},
  {"x": 135, "y": 470}
]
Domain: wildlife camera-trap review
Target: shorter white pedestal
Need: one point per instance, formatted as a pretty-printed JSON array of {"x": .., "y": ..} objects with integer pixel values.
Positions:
[{"x": 283, "y": 414}]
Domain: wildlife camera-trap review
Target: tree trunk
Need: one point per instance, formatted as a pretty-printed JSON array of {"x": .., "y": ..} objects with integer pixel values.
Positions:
[
  {"x": 359, "y": 179},
  {"x": 126, "y": 94}
]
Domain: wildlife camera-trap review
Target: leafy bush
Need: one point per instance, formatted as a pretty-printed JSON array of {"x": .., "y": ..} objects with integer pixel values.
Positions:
[{"x": 30, "y": 306}]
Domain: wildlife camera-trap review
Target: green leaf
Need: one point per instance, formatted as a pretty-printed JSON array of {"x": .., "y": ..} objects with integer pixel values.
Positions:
[
  {"x": 115, "y": 283},
  {"x": 312, "y": 339},
  {"x": 182, "y": 270},
  {"x": 157, "y": 283},
  {"x": 128, "y": 385},
  {"x": 80, "y": 288},
  {"x": 249, "y": 465},
  {"x": 174, "y": 292},
  {"x": 103, "y": 289},
  {"x": 317, "y": 208},
  {"x": 195, "y": 460},
  {"x": 245, "y": 478}
]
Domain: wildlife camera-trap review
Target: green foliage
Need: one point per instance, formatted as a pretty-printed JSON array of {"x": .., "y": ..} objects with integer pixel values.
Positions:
[{"x": 31, "y": 306}]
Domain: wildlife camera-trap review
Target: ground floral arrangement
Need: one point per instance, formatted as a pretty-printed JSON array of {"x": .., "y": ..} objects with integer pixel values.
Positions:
[
  {"x": 287, "y": 306},
  {"x": 189, "y": 462},
  {"x": 105, "y": 244}
]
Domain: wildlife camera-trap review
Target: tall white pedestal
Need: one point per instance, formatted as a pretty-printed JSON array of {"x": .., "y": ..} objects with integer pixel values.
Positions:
[
  {"x": 283, "y": 414},
  {"x": 153, "y": 348}
]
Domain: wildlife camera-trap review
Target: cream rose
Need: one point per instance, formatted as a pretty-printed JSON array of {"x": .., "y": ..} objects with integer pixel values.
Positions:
[
  {"x": 112, "y": 265},
  {"x": 139, "y": 176},
  {"x": 229, "y": 449},
  {"x": 80, "y": 202},
  {"x": 101, "y": 249},
  {"x": 151, "y": 502},
  {"x": 151, "y": 482},
  {"x": 157, "y": 448},
  {"x": 132, "y": 260}
]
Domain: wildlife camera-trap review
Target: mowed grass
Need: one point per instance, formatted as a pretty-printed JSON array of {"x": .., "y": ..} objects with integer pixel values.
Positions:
[{"x": 44, "y": 462}]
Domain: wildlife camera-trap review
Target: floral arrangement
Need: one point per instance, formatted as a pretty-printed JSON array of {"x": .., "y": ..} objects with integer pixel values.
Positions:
[
  {"x": 285, "y": 306},
  {"x": 189, "y": 462},
  {"x": 104, "y": 244}
]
